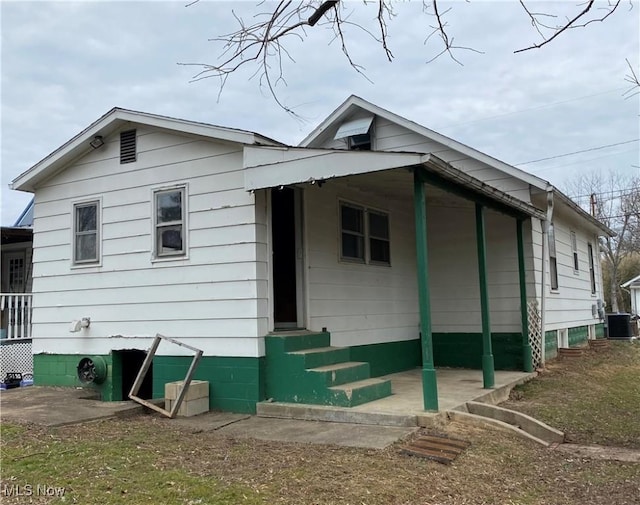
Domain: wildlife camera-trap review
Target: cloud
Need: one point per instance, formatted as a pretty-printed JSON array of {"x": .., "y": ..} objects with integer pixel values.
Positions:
[{"x": 66, "y": 63}]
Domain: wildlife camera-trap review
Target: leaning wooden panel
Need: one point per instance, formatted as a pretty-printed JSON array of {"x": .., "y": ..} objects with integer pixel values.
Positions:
[{"x": 145, "y": 368}]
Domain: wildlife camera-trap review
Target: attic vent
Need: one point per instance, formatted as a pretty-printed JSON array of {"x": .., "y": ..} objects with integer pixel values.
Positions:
[
  {"x": 357, "y": 133},
  {"x": 128, "y": 146}
]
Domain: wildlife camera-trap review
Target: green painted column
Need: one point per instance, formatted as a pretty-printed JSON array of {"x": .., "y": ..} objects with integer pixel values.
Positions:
[
  {"x": 526, "y": 347},
  {"x": 429, "y": 382},
  {"x": 488, "y": 371}
]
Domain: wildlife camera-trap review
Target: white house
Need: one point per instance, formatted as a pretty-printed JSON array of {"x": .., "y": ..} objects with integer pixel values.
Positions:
[
  {"x": 633, "y": 285},
  {"x": 375, "y": 246}
]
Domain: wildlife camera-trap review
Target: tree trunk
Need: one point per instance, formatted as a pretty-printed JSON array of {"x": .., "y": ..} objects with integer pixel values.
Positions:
[{"x": 613, "y": 288}]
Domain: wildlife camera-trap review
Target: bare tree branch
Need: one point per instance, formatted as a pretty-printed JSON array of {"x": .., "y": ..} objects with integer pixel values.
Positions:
[
  {"x": 632, "y": 78},
  {"x": 263, "y": 42},
  {"x": 569, "y": 24}
]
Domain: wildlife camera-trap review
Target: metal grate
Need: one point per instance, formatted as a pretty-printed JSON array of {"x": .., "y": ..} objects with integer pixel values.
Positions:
[
  {"x": 535, "y": 332},
  {"x": 16, "y": 356},
  {"x": 128, "y": 146}
]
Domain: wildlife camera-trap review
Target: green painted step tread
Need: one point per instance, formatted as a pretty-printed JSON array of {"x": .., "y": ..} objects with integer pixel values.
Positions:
[
  {"x": 351, "y": 386},
  {"x": 338, "y": 366},
  {"x": 316, "y": 350}
]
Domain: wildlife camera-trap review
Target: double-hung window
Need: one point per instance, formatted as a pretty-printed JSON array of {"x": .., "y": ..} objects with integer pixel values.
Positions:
[
  {"x": 553, "y": 263},
  {"x": 592, "y": 270},
  {"x": 169, "y": 211},
  {"x": 86, "y": 233},
  {"x": 574, "y": 249},
  {"x": 364, "y": 235}
]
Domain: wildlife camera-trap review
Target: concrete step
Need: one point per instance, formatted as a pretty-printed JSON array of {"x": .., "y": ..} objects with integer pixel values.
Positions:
[
  {"x": 283, "y": 410},
  {"x": 341, "y": 373},
  {"x": 534, "y": 429},
  {"x": 359, "y": 392},
  {"x": 296, "y": 340},
  {"x": 322, "y": 356}
]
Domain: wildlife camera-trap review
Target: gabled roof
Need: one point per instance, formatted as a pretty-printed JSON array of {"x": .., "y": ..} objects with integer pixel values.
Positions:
[
  {"x": 25, "y": 220},
  {"x": 114, "y": 120},
  {"x": 631, "y": 281},
  {"x": 353, "y": 103}
]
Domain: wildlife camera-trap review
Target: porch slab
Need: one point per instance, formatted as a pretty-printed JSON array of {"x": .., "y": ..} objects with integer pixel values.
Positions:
[{"x": 404, "y": 407}]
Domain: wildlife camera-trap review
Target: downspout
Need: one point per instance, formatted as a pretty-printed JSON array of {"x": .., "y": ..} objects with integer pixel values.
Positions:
[{"x": 543, "y": 281}]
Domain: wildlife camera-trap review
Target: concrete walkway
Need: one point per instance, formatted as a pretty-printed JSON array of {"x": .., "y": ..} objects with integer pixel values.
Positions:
[{"x": 53, "y": 406}]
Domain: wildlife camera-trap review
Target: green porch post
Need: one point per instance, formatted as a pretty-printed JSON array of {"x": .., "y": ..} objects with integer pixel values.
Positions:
[
  {"x": 429, "y": 383},
  {"x": 526, "y": 347},
  {"x": 487, "y": 356}
]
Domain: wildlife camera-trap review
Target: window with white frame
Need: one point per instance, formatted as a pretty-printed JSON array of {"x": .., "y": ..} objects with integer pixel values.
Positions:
[
  {"x": 169, "y": 211},
  {"x": 364, "y": 235},
  {"x": 574, "y": 249},
  {"x": 86, "y": 233},
  {"x": 553, "y": 263},
  {"x": 592, "y": 270}
]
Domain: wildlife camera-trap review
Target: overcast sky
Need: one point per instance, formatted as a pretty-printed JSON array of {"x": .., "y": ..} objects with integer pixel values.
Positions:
[{"x": 64, "y": 64}]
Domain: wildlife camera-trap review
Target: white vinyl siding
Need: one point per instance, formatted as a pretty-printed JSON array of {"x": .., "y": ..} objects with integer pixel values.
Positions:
[
  {"x": 361, "y": 303},
  {"x": 572, "y": 304},
  {"x": 209, "y": 299}
]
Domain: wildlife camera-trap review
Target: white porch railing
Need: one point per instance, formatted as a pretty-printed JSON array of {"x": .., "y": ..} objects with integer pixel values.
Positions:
[{"x": 16, "y": 315}]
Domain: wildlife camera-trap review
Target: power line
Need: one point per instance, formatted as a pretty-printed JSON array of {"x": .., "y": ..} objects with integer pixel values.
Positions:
[
  {"x": 553, "y": 167},
  {"x": 544, "y": 106},
  {"x": 578, "y": 152}
]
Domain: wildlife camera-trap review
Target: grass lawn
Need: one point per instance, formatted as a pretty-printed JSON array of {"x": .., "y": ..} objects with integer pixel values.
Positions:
[
  {"x": 150, "y": 459},
  {"x": 594, "y": 399}
]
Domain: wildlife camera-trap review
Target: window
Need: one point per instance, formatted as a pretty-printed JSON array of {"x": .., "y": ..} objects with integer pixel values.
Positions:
[
  {"x": 592, "y": 271},
  {"x": 86, "y": 236},
  {"x": 368, "y": 244},
  {"x": 352, "y": 224},
  {"x": 553, "y": 264},
  {"x": 128, "y": 153},
  {"x": 357, "y": 132},
  {"x": 379, "y": 237},
  {"x": 574, "y": 248},
  {"x": 169, "y": 222}
]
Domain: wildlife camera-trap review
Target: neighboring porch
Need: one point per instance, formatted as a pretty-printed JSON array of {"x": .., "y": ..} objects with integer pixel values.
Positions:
[{"x": 456, "y": 387}]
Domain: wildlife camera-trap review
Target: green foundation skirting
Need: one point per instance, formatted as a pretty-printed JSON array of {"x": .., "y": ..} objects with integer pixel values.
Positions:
[
  {"x": 578, "y": 336},
  {"x": 390, "y": 357},
  {"x": 464, "y": 350},
  {"x": 551, "y": 344},
  {"x": 235, "y": 384},
  {"x": 600, "y": 330}
]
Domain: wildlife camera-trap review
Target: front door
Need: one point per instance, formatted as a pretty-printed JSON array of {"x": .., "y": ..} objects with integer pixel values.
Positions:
[{"x": 286, "y": 259}]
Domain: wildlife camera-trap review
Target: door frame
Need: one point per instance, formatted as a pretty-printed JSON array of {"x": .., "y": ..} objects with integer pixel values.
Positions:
[{"x": 300, "y": 255}]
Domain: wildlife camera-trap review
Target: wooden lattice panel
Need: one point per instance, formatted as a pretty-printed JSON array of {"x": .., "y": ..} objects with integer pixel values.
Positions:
[{"x": 535, "y": 332}]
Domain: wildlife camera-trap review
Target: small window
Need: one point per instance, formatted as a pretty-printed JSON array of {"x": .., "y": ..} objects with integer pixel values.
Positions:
[
  {"x": 574, "y": 248},
  {"x": 592, "y": 270},
  {"x": 357, "y": 132},
  {"x": 169, "y": 222},
  {"x": 360, "y": 142},
  {"x": 379, "y": 237},
  {"x": 553, "y": 264},
  {"x": 128, "y": 153},
  {"x": 86, "y": 247},
  {"x": 364, "y": 235},
  {"x": 352, "y": 228}
]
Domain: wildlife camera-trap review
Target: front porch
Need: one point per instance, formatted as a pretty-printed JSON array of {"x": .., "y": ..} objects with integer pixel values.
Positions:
[{"x": 456, "y": 386}]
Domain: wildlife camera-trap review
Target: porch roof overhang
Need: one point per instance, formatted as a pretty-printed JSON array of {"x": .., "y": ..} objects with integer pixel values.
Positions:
[{"x": 270, "y": 167}]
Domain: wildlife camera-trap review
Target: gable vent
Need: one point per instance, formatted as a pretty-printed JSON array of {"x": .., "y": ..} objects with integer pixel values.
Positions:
[{"x": 128, "y": 146}]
